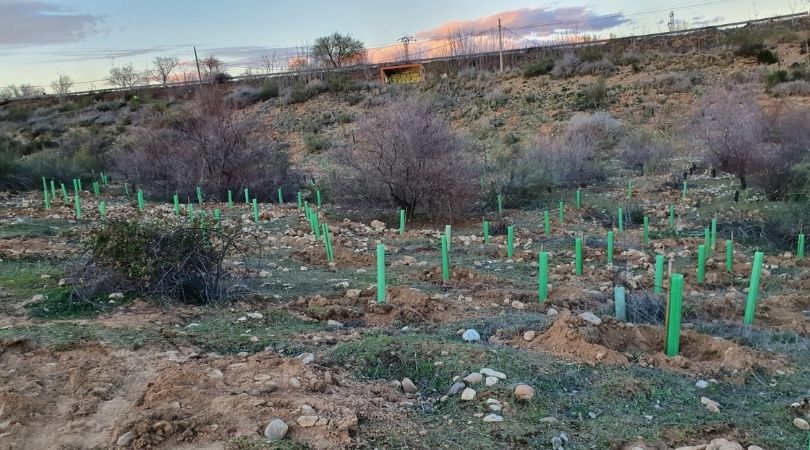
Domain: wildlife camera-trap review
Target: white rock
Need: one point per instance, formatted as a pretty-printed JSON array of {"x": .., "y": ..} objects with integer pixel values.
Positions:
[
  {"x": 116, "y": 296},
  {"x": 276, "y": 430},
  {"x": 353, "y": 293},
  {"x": 551, "y": 312},
  {"x": 334, "y": 323},
  {"x": 307, "y": 421},
  {"x": 408, "y": 386},
  {"x": 125, "y": 439},
  {"x": 801, "y": 424},
  {"x": 590, "y": 318},
  {"x": 493, "y": 418},
  {"x": 493, "y": 373},
  {"x": 306, "y": 358},
  {"x": 471, "y": 336},
  {"x": 524, "y": 392},
  {"x": 255, "y": 315},
  {"x": 529, "y": 335},
  {"x": 468, "y": 394},
  {"x": 491, "y": 381},
  {"x": 702, "y": 384}
]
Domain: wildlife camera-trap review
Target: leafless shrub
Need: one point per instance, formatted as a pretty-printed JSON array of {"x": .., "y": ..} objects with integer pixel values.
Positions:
[
  {"x": 643, "y": 150},
  {"x": 61, "y": 87},
  {"x": 599, "y": 127},
  {"x": 729, "y": 122},
  {"x": 409, "y": 157},
  {"x": 124, "y": 77},
  {"x": 782, "y": 169},
  {"x": 602, "y": 67},
  {"x": 672, "y": 83},
  {"x": 566, "y": 66},
  {"x": 242, "y": 97},
  {"x": 799, "y": 88},
  {"x": 206, "y": 145}
]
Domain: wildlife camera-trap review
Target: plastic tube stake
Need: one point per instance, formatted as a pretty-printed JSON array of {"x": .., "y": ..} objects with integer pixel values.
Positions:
[
  {"x": 753, "y": 288},
  {"x": 546, "y": 223},
  {"x": 800, "y": 247},
  {"x": 380, "y": 273},
  {"x": 300, "y": 201},
  {"x": 78, "y": 201},
  {"x": 673, "y": 342},
  {"x": 646, "y": 230},
  {"x": 401, "y": 221},
  {"x": 317, "y": 198},
  {"x": 448, "y": 231},
  {"x": 707, "y": 241},
  {"x": 701, "y": 264},
  {"x": 729, "y": 255},
  {"x": 672, "y": 217},
  {"x": 140, "y": 200},
  {"x": 542, "y": 276},
  {"x": 629, "y": 189},
  {"x": 64, "y": 193},
  {"x": 659, "y": 274},
  {"x": 500, "y": 204},
  {"x": 579, "y": 198},
  {"x": 102, "y": 209},
  {"x": 713, "y": 242},
  {"x": 199, "y": 196},
  {"x": 255, "y": 210},
  {"x": 445, "y": 260},
  {"x": 619, "y": 303},
  {"x": 247, "y": 197},
  {"x": 562, "y": 212},
  {"x": 610, "y": 248},
  {"x": 230, "y": 199},
  {"x": 218, "y": 217},
  {"x": 510, "y": 241},
  {"x": 486, "y": 232},
  {"x": 620, "y": 216},
  {"x": 683, "y": 195},
  {"x": 126, "y": 189},
  {"x": 578, "y": 248},
  {"x": 176, "y": 200}
]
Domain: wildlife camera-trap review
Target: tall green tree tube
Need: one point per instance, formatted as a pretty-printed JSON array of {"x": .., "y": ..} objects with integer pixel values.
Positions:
[
  {"x": 659, "y": 274},
  {"x": 445, "y": 260},
  {"x": 610, "y": 248},
  {"x": 673, "y": 342},
  {"x": 542, "y": 276},
  {"x": 510, "y": 241},
  {"x": 753, "y": 289},
  {"x": 380, "y": 273},
  {"x": 578, "y": 250},
  {"x": 701, "y": 264}
]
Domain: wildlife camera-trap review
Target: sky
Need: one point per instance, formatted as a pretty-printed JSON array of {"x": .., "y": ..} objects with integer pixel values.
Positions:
[{"x": 41, "y": 39}]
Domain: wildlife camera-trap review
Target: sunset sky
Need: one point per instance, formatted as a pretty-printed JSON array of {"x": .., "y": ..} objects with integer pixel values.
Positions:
[{"x": 83, "y": 38}]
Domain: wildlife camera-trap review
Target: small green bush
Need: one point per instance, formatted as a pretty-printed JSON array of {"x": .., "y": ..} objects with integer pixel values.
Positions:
[
  {"x": 590, "y": 53},
  {"x": 17, "y": 114},
  {"x": 537, "y": 68},
  {"x": 316, "y": 143},
  {"x": 778, "y": 76},
  {"x": 268, "y": 90},
  {"x": 766, "y": 56},
  {"x": 592, "y": 96}
]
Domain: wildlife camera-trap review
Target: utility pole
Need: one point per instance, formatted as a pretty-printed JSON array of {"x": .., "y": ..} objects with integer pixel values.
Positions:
[
  {"x": 199, "y": 75},
  {"x": 671, "y": 23},
  {"x": 500, "y": 44},
  {"x": 405, "y": 41}
]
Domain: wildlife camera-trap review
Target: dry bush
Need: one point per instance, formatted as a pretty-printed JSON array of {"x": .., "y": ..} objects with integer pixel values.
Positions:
[
  {"x": 783, "y": 168},
  {"x": 644, "y": 151},
  {"x": 602, "y": 67},
  {"x": 242, "y": 97},
  {"x": 799, "y": 88},
  {"x": 409, "y": 157},
  {"x": 207, "y": 145},
  {"x": 566, "y": 66},
  {"x": 729, "y": 122},
  {"x": 672, "y": 83}
]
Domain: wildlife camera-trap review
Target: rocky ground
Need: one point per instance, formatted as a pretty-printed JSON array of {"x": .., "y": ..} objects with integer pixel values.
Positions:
[{"x": 309, "y": 359}]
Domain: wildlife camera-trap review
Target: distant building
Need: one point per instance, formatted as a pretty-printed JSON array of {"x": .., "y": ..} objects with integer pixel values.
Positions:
[{"x": 405, "y": 73}]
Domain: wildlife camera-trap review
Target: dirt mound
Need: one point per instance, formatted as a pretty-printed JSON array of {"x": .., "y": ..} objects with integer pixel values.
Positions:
[
  {"x": 789, "y": 312},
  {"x": 459, "y": 277},
  {"x": 43, "y": 247},
  {"x": 619, "y": 343},
  {"x": 316, "y": 256},
  {"x": 89, "y": 396},
  {"x": 402, "y": 305}
]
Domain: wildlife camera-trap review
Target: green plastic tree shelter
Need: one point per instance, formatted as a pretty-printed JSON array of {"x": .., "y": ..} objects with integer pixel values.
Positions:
[
  {"x": 659, "y": 274},
  {"x": 753, "y": 288},
  {"x": 445, "y": 260},
  {"x": 510, "y": 241},
  {"x": 673, "y": 339},
  {"x": 542, "y": 276},
  {"x": 578, "y": 250},
  {"x": 380, "y": 273},
  {"x": 401, "y": 221}
]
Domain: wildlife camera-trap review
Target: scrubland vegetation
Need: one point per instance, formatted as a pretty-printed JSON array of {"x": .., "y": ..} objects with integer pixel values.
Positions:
[{"x": 215, "y": 281}]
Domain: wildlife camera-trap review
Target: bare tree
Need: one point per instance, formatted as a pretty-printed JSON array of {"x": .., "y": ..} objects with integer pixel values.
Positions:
[
  {"x": 730, "y": 125},
  {"x": 164, "y": 66},
  {"x": 338, "y": 50},
  {"x": 409, "y": 157},
  {"x": 61, "y": 87},
  {"x": 124, "y": 77},
  {"x": 211, "y": 66}
]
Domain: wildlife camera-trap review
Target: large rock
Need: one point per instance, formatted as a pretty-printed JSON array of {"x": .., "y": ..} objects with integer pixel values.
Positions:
[
  {"x": 456, "y": 388},
  {"x": 524, "y": 392},
  {"x": 276, "y": 430},
  {"x": 474, "y": 378},
  {"x": 590, "y": 318},
  {"x": 307, "y": 421},
  {"x": 471, "y": 336},
  {"x": 468, "y": 394},
  {"x": 408, "y": 386},
  {"x": 493, "y": 373},
  {"x": 125, "y": 439},
  {"x": 801, "y": 424}
]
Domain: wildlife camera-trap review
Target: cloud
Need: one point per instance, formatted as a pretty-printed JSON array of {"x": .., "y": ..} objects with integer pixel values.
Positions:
[
  {"x": 28, "y": 23},
  {"x": 535, "y": 21},
  {"x": 72, "y": 55}
]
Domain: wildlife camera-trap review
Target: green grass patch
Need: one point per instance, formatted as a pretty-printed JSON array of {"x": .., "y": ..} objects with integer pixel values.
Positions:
[{"x": 61, "y": 335}]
